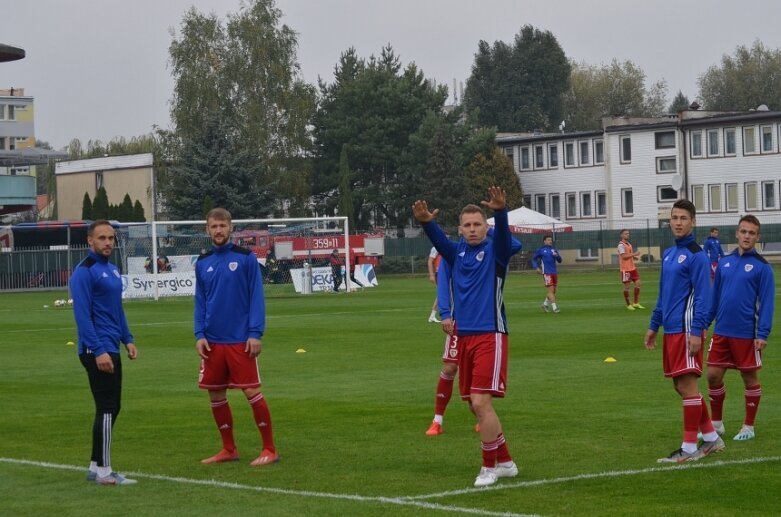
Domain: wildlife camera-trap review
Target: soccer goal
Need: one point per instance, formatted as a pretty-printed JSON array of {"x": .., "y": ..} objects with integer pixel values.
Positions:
[{"x": 293, "y": 254}]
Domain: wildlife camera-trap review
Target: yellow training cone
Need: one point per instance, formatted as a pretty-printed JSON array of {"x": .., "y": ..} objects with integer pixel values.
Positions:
[
  {"x": 300, "y": 351},
  {"x": 610, "y": 360}
]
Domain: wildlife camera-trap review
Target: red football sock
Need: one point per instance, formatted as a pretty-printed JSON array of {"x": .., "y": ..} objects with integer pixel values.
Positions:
[
  {"x": 444, "y": 392},
  {"x": 637, "y": 295},
  {"x": 752, "y": 395},
  {"x": 263, "y": 420},
  {"x": 692, "y": 411},
  {"x": 489, "y": 453},
  {"x": 717, "y": 394},
  {"x": 626, "y": 295},
  {"x": 502, "y": 452},
  {"x": 223, "y": 417},
  {"x": 706, "y": 424}
]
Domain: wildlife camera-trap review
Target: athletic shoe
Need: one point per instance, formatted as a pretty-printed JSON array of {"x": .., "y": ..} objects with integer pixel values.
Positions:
[
  {"x": 91, "y": 475},
  {"x": 222, "y": 457},
  {"x": 266, "y": 457},
  {"x": 557, "y": 310},
  {"x": 114, "y": 479},
  {"x": 681, "y": 456},
  {"x": 544, "y": 308},
  {"x": 711, "y": 447},
  {"x": 486, "y": 477},
  {"x": 630, "y": 307},
  {"x": 507, "y": 470},
  {"x": 718, "y": 427},
  {"x": 434, "y": 429},
  {"x": 746, "y": 433},
  {"x": 434, "y": 319},
  {"x": 638, "y": 306}
]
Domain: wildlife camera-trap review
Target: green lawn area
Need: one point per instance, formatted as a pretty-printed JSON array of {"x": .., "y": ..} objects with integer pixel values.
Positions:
[{"x": 350, "y": 414}]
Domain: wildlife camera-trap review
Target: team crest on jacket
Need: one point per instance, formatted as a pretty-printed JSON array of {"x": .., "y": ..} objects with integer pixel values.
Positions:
[
  {"x": 681, "y": 258},
  {"x": 233, "y": 266},
  {"x": 480, "y": 256},
  {"x": 748, "y": 267}
]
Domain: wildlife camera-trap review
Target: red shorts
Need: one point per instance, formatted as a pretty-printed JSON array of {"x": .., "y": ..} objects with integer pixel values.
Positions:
[
  {"x": 551, "y": 280},
  {"x": 450, "y": 355},
  {"x": 228, "y": 366},
  {"x": 482, "y": 365},
  {"x": 734, "y": 352},
  {"x": 675, "y": 356},
  {"x": 713, "y": 267},
  {"x": 630, "y": 276}
]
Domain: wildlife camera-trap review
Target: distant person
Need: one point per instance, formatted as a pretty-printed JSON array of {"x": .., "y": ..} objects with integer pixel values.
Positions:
[
  {"x": 479, "y": 269},
  {"x": 743, "y": 306},
  {"x": 683, "y": 309},
  {"x": 356, "y": 265},
  {"x": 433, "y": 262},
  {"x": 96, "y": 289},
  {"x": 712, "y": 247},
  {"x": 229, "y": 321},
  {"x": 336, "y": 269},
  {"x": 544, "y": 261},
  {"x": 629, "y": 273}
]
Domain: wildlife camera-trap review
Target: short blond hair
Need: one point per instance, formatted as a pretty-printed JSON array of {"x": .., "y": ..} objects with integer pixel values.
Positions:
[{"x": 219, "y": 214}]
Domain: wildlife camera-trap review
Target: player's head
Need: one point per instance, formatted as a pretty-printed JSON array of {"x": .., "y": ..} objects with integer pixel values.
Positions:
[
  {"x": 682, "y": 218},
  {"x": 473, "y": 226},
  {"x": 624, "y": 234},
  {"x": 101, "y": 237},
  {"x": 748, "y": 232},
  {"x": 219, "y": 226},
  {"x": 714, "y": 232},
  {"x": 548, "y": 240}
]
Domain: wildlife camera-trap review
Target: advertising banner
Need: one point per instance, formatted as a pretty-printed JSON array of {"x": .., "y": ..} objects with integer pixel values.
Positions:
[
  {"x": 168, "y": 284},
  {"x": 323, "y": 280}
]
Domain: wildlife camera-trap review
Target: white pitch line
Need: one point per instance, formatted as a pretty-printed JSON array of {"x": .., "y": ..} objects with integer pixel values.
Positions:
[
  {"x": 597, "y": 475},
  {"x": 399, "y": 501}
]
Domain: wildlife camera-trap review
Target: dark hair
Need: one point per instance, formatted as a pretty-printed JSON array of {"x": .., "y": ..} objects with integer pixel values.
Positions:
[
  {"x": 685, "y": 204},
  {"x": 548, "y": 236},
  {"x": 219, "y": 214},
  {"x": 471, "y": 209},
  {"x": 714, "y": 229},
  {"x": 622, "y": 230},
  {"x": 751, "y": 219},
  {"x": 95, "y": 224}
]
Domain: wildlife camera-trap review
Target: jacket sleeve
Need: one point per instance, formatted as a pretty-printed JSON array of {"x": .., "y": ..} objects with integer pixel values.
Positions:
[
  {"x": 444, "y": 246},
  {"x": 700, "y": 275},
  {"x": 127, "y": 337},
  {"x": 535, "y": 263},
  {"x": 81, "y": 292},
  {"x": 767, "y": 291},
  {"x": 444, "y": 295},
  {"x": 657, "y": 316},
  {"x": 516, "y": 246},
  {"x": 502, "y": 242},
  {"x": 558, "y": 256},
  {"x": 715, "y": 294},
  {"x": 199, "y": 314},
  {"x": 257, "y": 303}
]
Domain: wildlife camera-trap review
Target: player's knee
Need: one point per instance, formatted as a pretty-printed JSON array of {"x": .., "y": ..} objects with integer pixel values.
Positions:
[{"x": 450, "y": 369}]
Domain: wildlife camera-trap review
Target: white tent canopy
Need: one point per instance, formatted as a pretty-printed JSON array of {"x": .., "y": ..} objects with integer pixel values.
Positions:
[{"x": 525, "y": 220}]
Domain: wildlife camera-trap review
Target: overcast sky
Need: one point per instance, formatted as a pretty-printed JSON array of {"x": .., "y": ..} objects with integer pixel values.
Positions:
[{"x": 98, "y": 69}]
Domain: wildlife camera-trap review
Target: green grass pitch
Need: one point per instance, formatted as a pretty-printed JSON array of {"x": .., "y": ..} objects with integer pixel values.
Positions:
[{"x": 350, "y": 414}]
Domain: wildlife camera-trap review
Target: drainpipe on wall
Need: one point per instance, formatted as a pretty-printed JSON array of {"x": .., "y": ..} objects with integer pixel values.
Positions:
[{"x": 684, "y": 165}]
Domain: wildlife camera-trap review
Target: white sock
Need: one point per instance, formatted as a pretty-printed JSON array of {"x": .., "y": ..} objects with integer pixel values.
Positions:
[
  {"x": 439, "y": 419},
  {"x": 93, "y": 466},
  {"x": 690, "y": 448},
  {"x": 433, "y": 314},
  {"x": 710, "y": 437},
  {"x": 545, "y": 303},
  {"x": 554, "y": 306},
  {"x": 104, "y": 471}
]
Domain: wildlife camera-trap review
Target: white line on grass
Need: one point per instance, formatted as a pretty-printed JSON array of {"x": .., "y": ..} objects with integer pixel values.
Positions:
[
  {"x": 597, "y": 475},
  {"x": 400, "y": 501}
]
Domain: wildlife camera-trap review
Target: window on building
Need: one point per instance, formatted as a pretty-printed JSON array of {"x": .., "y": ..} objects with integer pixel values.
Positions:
[
  {"x": 713, "y": 142},
  {"x": 665, "y": 164},
  {"x": 2, "y": 143},
  {"x": 767, "y": 139},
  {"x": 539, "y": 157},
  {"x": 553, "y": 155},
  {"x": 768, "y": 195},
  {"x": 2, "y": 111},
  {"x": 569, "y": 154},
  {"x": 749, "y": 144},
  {"x": 732, "y": 197},
  {"x": 525, "y": 163},
  {"x": 585, "y": 204},
  {"x": 665, "y": 139},
  {"x": 729, "y": 141},
  {"x": 588, "y": 254},
  {"x": 627, "y": 202},
  {"x": 555, "y": 206},
  {"x": 11, "y": 112},
  {"x": 11, "y": 143},
  {"x": 540, "y": 201},
  {"x": 750, "y": 190},
  {"x": 698, "y": 197},
  {"x": 572, "y": 206},
  {"x": 599, "y": 152},
  {"x": 626, "y": 149},
  {"x": 714, "y": 197},
  {"x": 20, "y": 171},
  {"x": 666, "y": 193},
  {"x": 601, "y": 204},
  {"x": 98, "y": 181},
  {"x": 696, "y": 144},
  {"x": 508, "y": 151},
  {"x": 585, "y": 153},
  {"x": 527, "y": 200}
]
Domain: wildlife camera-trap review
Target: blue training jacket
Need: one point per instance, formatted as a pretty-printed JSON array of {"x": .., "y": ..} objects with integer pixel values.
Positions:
[
  {"x": 743, "y": 296},
  {"x": 96, "y": 289},
  {"x": 229, "y": 303},
  {"x": 478, "y": 276},
  {"x": 547, "y": 256},
  {"x": 712, "y": 247},
  {"x": 685, "y": 289}
]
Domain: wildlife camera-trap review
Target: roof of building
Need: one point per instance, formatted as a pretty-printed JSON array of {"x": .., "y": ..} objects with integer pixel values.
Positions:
[
  {"x": 29, "y": 156},
  {"x": 107, "y": 163}
]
